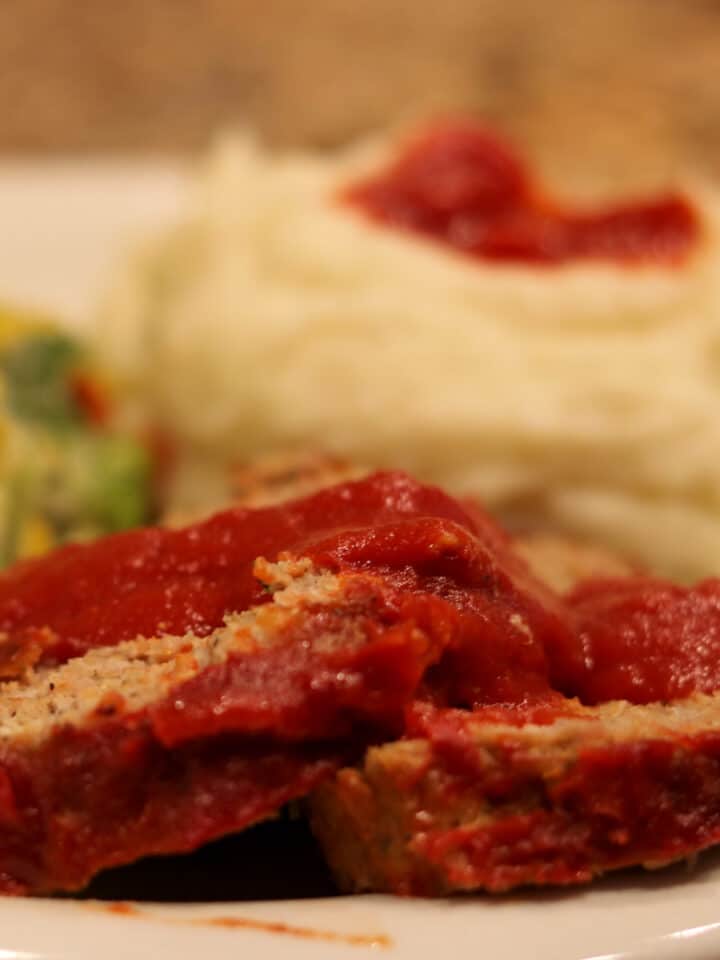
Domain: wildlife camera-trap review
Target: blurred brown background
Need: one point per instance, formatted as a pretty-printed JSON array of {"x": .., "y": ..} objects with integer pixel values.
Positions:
[{"x": 597, "y": 89}]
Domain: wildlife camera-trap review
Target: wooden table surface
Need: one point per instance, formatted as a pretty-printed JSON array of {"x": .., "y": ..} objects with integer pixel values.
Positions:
[{"x": 598, "y": 90}]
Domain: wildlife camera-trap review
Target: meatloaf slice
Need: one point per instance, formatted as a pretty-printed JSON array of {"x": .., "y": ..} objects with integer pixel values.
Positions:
[
  {"x": 499, "y": 799},
  {"x": 159, "y": 745}
]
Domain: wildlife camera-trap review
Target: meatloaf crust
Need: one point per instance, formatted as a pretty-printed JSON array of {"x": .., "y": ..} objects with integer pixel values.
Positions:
[{"x": 492, "y": 802}]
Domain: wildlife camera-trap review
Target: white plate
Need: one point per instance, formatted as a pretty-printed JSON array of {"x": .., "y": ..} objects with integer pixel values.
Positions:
[
  {"x": 63, "y": 226},
  {"x": 640, "y": 917}
]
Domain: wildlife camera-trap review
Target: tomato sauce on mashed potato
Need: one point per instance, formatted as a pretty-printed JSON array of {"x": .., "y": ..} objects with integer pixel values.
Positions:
[{"x": 578, "y": 392}]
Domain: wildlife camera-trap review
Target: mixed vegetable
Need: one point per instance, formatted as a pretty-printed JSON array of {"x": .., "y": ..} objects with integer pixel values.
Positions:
[{"x": 64, "y": 474}]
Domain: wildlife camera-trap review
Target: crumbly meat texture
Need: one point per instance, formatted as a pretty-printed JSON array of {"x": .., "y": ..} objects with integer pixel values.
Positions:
[
  {"x": 506, "y": 797},
  {"x": 222, "y": 729},
  {"x": 146, "y": 581},
  {"x": 158, "y": 745},
  {"x": 492, "y": 803}
]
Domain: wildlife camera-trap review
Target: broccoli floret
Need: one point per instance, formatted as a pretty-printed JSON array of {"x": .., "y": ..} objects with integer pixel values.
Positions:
[{"x": 37, "y": 370}]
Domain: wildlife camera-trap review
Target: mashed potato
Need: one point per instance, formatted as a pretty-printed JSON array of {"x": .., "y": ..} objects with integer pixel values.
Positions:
[{"x": 585, "y": 397}]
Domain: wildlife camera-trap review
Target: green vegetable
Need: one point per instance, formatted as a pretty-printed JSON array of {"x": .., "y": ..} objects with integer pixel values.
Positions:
[
  {"x": 61, "y": 477},
  {"x": 37, "y": 370},
  {"x": 97, "y": 484}
]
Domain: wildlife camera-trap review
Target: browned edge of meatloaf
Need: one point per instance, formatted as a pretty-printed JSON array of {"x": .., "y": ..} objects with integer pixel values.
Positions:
[{"x": 376, "y": 822}]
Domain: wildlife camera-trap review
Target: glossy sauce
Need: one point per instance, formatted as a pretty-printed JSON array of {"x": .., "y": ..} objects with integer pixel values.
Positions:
[
  {"x": 507, "y": 638},
  {"x": 462, "y": 188},
  {"x": 645, "y": 640},
  {"x": 155, "y": 580},
  {"x": 502, "y": 622},
  {"x": 444, "y": 568},
  {"x": 442, "y": 627}
]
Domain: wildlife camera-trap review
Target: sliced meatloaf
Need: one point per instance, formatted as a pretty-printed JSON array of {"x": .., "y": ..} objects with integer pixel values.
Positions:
[
  {"x": 509, "y": 797},
  {"x": 161, "y": 744}
]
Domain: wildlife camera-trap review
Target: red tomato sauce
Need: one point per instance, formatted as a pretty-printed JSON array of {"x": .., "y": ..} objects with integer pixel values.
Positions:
[
  {"x": 504, "y": 623},
  {"x": 623, "y": 803},
  {"x": 444, "y": 570},
  {"x": 106, "y": 794},
  {"x": 459, "y": 186},
  {"x": 645, "y": 640},
  {"x": 154, "y": 580},
  {"x": 297, "y": 689},
  {"x": 609, "y": 804},
  {"x": 506, "y": 638},
  {"x": 441, "y": 629}
]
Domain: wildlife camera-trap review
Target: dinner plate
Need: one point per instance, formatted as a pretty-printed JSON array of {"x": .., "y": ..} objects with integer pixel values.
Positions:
[
  {"x": 669, "y": 916},
  {"x": 64, "y": 227}
]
